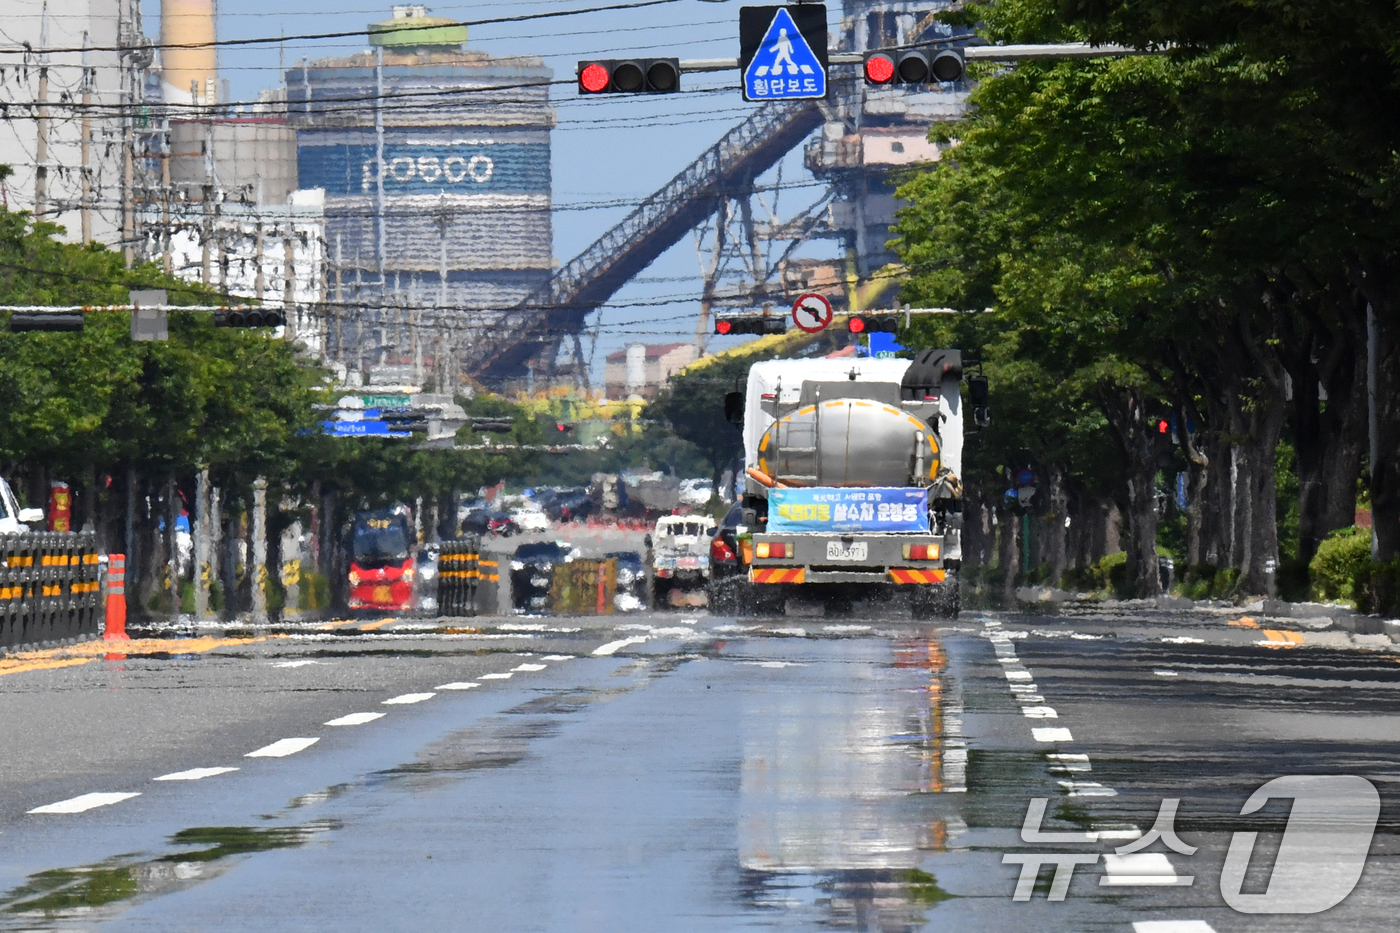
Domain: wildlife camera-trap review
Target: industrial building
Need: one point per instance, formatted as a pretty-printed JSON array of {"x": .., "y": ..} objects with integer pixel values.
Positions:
[
  {"x": 640, "y": 370},
  {"x": 62, "y": 130},
  {"x": 435, "y": 161}
]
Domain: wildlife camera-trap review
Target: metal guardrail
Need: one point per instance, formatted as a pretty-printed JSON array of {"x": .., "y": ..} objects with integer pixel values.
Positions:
[
  {"x": 50, "y": 589},
  {"x": 466, "y": 579}
]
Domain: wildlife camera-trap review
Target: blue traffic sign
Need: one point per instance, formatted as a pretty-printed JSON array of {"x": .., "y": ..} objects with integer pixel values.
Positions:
[
  {"x": 361, "y": 429},
  {"x": 784, "y": 65}
]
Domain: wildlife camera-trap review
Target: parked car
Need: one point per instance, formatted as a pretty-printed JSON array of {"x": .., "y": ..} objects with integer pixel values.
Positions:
[
  {"x": 531, "y": 572},
  {"x": 530, "y": 519},
  {"x": 13, "y": 519},
  {"x": 696, "y": 492},
  {"x": 570, "y": 506},
  {"x": 631, "y": 581}
]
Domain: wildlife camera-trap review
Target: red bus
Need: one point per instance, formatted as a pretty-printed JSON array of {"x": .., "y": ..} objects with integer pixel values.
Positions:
[{"x": 381, "y": 560}]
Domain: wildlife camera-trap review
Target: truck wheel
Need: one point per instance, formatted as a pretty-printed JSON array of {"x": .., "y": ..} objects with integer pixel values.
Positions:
[
  {"x": 660, "y": 594},
  {"x": 936, "y": 600}
]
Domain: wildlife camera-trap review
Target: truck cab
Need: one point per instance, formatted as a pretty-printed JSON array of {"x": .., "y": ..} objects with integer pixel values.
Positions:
[
  {"x": 680, "y": 554},
  {"x": 852, "y": 481}
]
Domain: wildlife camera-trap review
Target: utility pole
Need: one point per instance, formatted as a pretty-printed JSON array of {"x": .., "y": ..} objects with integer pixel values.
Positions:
[
  {"x": 208, "y": 232},
  {"x": 289, "y": 281},
  {"x": 339, "y": 308},
  {"x": 257, "y": 573},
  {"x": 1373, "y": 418},
  {"x": 86, "y": 133},
  {"x": 165, "y": 244},
  {"x": 41, "y": 147}
]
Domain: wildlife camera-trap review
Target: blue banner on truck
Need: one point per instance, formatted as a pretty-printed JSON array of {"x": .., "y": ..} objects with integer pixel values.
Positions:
[{"x": 831, "y": 509}]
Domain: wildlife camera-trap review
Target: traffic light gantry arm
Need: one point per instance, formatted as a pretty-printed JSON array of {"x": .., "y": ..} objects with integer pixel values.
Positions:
[{"x": 972, "y": 53}]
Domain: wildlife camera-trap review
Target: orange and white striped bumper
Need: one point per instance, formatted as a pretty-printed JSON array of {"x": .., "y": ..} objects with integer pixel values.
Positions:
[
  {"x": 908, "y": 575},
  {"x": 777, "y": 574}
]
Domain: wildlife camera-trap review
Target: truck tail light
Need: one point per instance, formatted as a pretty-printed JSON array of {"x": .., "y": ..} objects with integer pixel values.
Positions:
[
  {"x": 921, "y": 552},
  {"x": 720, "y": 551},
  {"x": 771, "y": 549}
]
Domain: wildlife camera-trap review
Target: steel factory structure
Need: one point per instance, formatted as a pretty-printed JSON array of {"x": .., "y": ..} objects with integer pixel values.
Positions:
[{"x": 427, "y": 250}]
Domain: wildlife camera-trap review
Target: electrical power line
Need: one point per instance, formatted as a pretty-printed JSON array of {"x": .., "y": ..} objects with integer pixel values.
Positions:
[{"x": 345, "y": 34}]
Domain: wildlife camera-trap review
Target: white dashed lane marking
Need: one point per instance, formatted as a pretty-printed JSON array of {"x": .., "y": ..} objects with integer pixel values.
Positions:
[
  {"x": 1052, "y": 734},
  {"x": 194, "y": 774},
  {"x": 505, "y": 676},
  {"x": 407, "y": 698},
  {"x": 1140, "y": 868},
  {"x": 529, "y": 667},
  {"x": 1172, "y": 926},
  {"x": 301, "y": 663},
  {"x": 602, "y": 651},
  {"x": 457, "y": 685},
  {"x": 85, "y": 802},
  {"x": 1039, "y": 712},
  {"x": 282, "y": 748},
  {"x": 558, "y": 657},
  {"x": 355, "y": 719}
]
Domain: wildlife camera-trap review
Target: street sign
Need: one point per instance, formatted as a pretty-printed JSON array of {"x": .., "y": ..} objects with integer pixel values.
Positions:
[
  {"x": 385, "y": 401},
  {"x": 782, "y": 51},
  {"x": 361, "y": 429},
  {"x": 811, "y": 313}
]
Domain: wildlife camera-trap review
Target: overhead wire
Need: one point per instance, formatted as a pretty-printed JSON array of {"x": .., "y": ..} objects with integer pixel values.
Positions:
[{"x": 345, "y": 34}]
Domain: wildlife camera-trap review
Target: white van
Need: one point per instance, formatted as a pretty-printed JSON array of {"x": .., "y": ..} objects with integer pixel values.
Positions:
[{"x": 13, "y": 519}]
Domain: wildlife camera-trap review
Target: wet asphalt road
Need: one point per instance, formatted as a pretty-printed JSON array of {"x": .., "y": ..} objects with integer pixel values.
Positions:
[{"x": 684, "y": 772}]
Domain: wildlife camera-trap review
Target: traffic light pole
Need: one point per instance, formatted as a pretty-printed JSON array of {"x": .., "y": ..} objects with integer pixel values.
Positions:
[{"x": 985, "y": 53}]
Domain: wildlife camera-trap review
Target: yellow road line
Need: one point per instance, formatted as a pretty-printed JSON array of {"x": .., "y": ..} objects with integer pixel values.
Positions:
[
  {"x": 88, "y": 651},
  {"x": 377, "y": 625},
  {"x": 1245, "y": 622},
  {"x": 337, "y": 624},
  {"x": 1280, "y": 639}
]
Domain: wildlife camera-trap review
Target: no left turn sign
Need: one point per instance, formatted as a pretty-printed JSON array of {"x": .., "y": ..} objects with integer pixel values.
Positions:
[{"x": 811, "y": 313}]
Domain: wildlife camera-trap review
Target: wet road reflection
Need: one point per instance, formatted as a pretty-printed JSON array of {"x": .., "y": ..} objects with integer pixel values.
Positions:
[{"x": 716, "y": 774}]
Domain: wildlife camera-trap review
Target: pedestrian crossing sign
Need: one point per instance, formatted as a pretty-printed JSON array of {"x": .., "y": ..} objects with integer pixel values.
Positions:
[{"x": 782, "y": 51}]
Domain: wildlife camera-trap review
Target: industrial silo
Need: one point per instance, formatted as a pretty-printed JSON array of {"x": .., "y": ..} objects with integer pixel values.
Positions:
[{"x": 435, "y": 162}]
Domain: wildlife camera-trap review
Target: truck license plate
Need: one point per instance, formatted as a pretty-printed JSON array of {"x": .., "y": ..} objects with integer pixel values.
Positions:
[{"x": 857, "y": 550}]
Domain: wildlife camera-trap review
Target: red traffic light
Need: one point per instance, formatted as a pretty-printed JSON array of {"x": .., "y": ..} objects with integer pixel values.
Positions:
[
  {"x": 723, "y": 326},
  {"x": 1162, "y": 427},
  {"x": 561, "y": 427},
  {"x": 879, "y": 68},
  {"x": 873, "y": 324},
  {"x": 594, "y": 78},
  {"x": 630, "y": 76}
]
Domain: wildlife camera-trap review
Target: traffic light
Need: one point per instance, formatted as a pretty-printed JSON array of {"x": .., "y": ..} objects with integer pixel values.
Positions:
[
  {"x": 913, "y": 66},
  {"x": 21, "y": 322},
  {"x": 750, "y": 324},
  {"x": 563, "y": 431},
  {"x": 630, "y": 76},
  {"x": 264, "y": 317},
  {"x": 870, "y": 324}
]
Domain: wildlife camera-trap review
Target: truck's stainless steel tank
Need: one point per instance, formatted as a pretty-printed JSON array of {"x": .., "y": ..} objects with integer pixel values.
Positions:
[{"x": 849, "y": 442}]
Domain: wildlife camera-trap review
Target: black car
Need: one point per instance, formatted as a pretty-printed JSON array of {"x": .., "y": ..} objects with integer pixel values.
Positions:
[
  {"x": 532, "y": 571},
  {"x": 570, "y": 506}
]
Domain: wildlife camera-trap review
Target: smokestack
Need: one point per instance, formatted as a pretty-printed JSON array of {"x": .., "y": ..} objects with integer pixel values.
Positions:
[{"x": 187, "y": 23}]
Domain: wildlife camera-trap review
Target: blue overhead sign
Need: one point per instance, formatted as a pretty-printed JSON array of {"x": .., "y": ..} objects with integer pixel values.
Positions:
[
  {"x": 361, "y": 429},
  {"x": 780, "y": 59}
]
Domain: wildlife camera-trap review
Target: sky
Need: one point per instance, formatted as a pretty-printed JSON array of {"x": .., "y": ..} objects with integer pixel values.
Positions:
[{"x": 605, "y": 149}]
